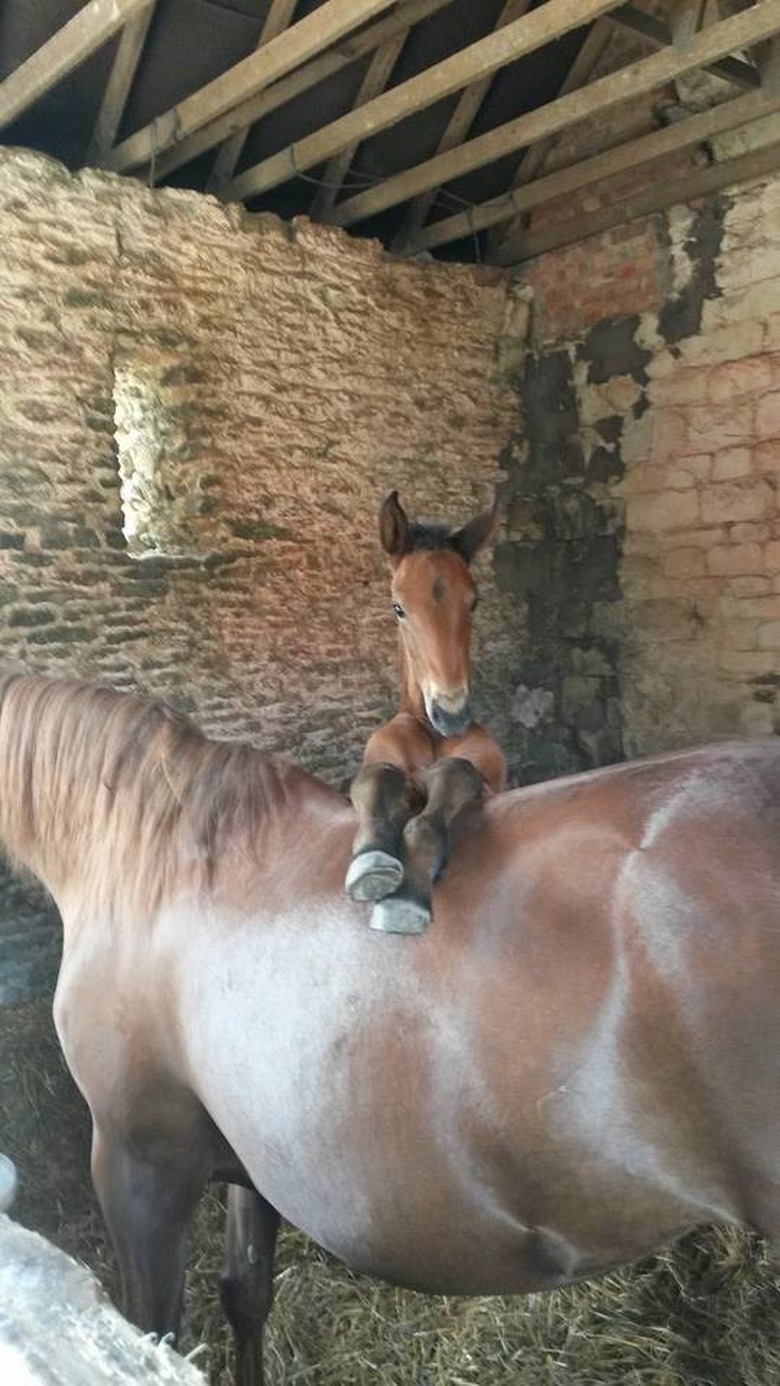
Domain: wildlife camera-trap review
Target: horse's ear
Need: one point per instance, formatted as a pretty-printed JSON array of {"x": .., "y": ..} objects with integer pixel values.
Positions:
[
  {"x": 393, "y": 527},
  {"x": 478, "y": 532}
]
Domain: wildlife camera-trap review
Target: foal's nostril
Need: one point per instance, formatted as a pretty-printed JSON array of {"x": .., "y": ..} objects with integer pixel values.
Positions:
[{"x": 450, "y": 721}]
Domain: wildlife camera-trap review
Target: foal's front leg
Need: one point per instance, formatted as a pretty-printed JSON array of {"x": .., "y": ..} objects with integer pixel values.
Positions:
[
  {"x": 384, "y": 797},
  {"x": 451, "y": 786}
]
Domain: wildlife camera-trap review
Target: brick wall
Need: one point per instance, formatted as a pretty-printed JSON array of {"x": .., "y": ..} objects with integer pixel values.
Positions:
[
  {"x": 288, "y": 378},
  {"x": 644, "y": 535}
]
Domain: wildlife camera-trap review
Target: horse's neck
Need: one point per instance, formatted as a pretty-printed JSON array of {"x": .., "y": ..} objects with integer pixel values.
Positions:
[{"x": 411, "y": 699}]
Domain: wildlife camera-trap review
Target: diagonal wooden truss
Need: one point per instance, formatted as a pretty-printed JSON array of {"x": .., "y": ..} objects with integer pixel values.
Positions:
[{"x": 294, "y": 56}]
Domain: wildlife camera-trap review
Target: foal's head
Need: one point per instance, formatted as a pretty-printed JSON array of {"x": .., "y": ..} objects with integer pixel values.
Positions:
[{"x": 433, "y": 595}]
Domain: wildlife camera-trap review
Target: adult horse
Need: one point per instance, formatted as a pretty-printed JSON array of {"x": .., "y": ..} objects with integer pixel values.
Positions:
[
  {"x": 577, "y": 1061},
  {"x": 432, "y": 760}
]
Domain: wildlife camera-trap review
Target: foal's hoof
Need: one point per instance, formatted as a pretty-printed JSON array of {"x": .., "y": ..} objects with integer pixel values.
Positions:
[
  {"x": 372, "y": 875},
  {"x": 397, "y": 915},
  {"x": 7, "y": 1182}
]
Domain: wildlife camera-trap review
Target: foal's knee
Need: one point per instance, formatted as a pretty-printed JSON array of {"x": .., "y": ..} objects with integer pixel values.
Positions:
[
  {"x": 381, "y": 788},
  {"x": 454, "y": 783}
]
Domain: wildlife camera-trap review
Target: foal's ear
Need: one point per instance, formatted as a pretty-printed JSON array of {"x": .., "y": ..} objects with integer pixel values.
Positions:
[
  {"x": 393, "y": 527},
  {"x": 478, "y": 532}
]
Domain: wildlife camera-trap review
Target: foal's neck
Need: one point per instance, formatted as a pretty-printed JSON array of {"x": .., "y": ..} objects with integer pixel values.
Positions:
[{"x": 411, "y": 699}]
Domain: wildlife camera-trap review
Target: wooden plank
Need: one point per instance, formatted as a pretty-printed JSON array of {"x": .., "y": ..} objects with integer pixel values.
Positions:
[
  {"x": 326, "y": 25},
  {"x": 742, "y": 110},
  {"x": 119, "y": 83},
  {"x": 375, "y": 81},
  {"x": 579, "y": 73},
  {"x": 458, "y": 126},
  {"x": 526, "y": 35},
  {"x": 698, "y": 182},
  {"x": 658, "y": 34},
  {"x": 310, "y": 75},
  {"x": 71, "y": 45},
  {"x": 759, "y": 22},
  {"x": 229, "y": 153}
]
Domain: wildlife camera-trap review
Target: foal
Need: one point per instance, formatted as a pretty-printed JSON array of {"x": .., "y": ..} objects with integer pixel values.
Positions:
[{"x": 431, "y": 760}]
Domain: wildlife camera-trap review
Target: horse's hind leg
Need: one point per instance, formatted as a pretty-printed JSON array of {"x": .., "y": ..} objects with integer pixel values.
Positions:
[
  {"x": 452, "y": 785},
  {"x": 380, "y": 795},
  {"x": 247, "y": 1278},
  {"x": 147, "y": 1191}
]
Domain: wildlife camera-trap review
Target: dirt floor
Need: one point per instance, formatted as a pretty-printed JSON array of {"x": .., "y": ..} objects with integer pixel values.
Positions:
[{"x": 705, "y": 1313}]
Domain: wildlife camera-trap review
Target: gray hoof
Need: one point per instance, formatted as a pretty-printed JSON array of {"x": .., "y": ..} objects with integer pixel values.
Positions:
[
  {"x": 395, "y": 915},
  {"x": 7, "y": 1182},
  {"x": 372, "y": 875}
]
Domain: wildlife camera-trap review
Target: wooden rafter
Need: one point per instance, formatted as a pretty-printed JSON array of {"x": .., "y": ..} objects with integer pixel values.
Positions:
[
  {"x": 526, "y": 35},
  {"x": 747, "y": 114},
  {"x": 658, "y": 195},
  {"x": 288, "y": 50},
  {"x": 376, "y": 79},
  {"x": 227, "y": 156},
  {"x": 579, "y": 73},
  {"x": 659, "y": 35},
  {"x": 309, "y": 75},
  {"x": 458, "y": 126},
  {"x": 594, "y": 171},
  {"x": 761, "y": 21},
  {"x": 119, "y": 83},
  {"x": 73, "y": 44}
]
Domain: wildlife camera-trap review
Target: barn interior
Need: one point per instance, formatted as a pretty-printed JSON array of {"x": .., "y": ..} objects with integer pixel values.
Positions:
[{"x": 264, "y": 261}]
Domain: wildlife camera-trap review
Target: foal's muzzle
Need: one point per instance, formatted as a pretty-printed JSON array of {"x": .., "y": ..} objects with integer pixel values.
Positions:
[{"x": 448, "y": 720}]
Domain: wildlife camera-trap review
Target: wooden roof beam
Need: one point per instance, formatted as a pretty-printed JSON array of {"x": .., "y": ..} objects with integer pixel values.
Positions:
[
  {"x": 761, "y": 21},
  {"x": 659, "y": 35},
  {"x": 71, "y": 45},
  {"x": 503, "y": 46},
  {"x": 120, "y": 81},
  {"x": 227, "y": 156},
  {"x": 458, "y": 126},
  {"x": 530, "y": 164},
  {"x": 288, "y": 50},
  {"x": 745, "y": 112},
  {"x": 661, "y": 193},
  {"x": 347, "y": 51},
  {"x": 376, "y": 79},
  {"x": 594, "y": 171}
]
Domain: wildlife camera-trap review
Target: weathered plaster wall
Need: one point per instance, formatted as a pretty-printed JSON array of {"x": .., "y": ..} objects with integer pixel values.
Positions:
[
  {"x": 294, "y": 376},
  {"x": 644, "y": 532}
]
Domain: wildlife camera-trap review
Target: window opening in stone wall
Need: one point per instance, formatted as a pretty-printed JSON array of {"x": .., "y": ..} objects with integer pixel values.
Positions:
[{"x": 155, "y": 420}]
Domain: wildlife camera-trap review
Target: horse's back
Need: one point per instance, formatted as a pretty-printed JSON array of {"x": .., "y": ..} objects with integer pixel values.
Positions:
[
  {"x": 575, "y": 1061},
  {"x": 576, "y": 1045}
]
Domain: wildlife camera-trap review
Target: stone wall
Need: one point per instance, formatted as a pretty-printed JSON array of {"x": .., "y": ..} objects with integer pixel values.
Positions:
[
  {"x": 253, "y": 390},
  {"x": 644, "y": 533}
]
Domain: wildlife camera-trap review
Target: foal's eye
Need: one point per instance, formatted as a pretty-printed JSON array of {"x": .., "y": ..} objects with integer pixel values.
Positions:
[{"x": 398, "y": 610}]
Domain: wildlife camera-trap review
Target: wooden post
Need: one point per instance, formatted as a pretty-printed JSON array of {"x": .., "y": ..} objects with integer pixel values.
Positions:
[{"x": 119, "y": 83}]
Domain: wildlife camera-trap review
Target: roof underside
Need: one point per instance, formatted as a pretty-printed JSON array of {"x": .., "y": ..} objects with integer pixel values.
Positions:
[{"x": 491, "y": 130}]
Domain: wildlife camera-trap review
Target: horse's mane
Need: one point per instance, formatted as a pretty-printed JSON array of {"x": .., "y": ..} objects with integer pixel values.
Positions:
[
  {"x": 429, "y": 534},
  {"x": 126, "y": 788}
]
